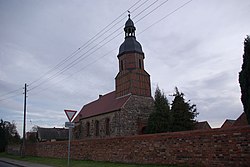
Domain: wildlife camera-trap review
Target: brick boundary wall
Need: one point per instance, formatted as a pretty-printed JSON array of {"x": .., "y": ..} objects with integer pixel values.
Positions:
[
  {"x": 216, "y": 147},
  {"x": 13, "y": 149}
]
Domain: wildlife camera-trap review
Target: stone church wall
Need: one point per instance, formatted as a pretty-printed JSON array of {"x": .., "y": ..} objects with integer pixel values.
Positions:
[
  {"x": 218, "y": 147},
  {"x": 129, "y": 120},
  {"x": 82, "y": 127},
  {"x": 135, "y": 114}
]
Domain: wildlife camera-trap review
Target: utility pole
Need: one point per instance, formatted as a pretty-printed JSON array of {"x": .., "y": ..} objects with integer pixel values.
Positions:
[{"x": 24, "y": 121}]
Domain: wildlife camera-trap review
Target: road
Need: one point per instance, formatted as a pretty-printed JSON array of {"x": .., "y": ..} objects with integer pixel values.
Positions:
[{"x": 3, "y": 164}]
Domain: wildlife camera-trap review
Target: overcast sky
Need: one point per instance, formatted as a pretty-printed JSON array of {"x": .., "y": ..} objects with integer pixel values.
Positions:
[{"x": 198, "y": 48}]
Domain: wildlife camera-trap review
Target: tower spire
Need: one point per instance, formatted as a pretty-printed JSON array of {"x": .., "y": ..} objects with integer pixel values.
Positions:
[
  {"x": 129, "y": 27},
  {"x": 130, "y": 44},
  {"x": 132, "y": 77}
]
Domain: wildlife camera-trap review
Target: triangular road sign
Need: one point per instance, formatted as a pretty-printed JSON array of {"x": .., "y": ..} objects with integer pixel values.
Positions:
[{"x": 70, "y": 114}]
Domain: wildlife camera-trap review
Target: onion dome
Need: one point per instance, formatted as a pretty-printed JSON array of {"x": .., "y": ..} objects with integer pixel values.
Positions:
[{"x": 130, "y": 44}]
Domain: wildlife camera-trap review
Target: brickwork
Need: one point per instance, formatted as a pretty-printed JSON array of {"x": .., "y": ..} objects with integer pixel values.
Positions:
[
  {"x": 218, "y": 147},
  {"x": 132, "y": 78},
  {"x": 131, "y": 61},
  {"x": 136, "y": 82}
]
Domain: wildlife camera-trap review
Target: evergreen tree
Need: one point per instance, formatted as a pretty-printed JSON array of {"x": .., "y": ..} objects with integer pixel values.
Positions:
[
  {"x": 159, "y": 121},
  {"x": 161, "y": 101},
  {"x": 244, "y": 79},
  {"x": 183, "y": 113}
]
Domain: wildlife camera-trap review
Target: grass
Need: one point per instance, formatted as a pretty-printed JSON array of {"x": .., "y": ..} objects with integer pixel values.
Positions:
[{"x": 74, "y": 163}]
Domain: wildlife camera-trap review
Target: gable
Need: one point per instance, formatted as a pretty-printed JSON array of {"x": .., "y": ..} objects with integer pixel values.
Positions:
[
  {"x": 105, "y": 104},
  {"x": 202, "y": 125}
]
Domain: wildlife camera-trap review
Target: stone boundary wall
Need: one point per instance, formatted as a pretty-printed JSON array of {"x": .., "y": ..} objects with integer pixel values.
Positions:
[{"x": 216, "y": 147}]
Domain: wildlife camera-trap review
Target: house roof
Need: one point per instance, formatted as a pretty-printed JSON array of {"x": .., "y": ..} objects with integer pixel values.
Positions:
[
  {"x": 202, "y": 125},
  {"x": 105, "y": 104},
  {"x": 241, "y": 120},
  {"x": 228, "y": 123},
  {"x": 52, "y": 133}
]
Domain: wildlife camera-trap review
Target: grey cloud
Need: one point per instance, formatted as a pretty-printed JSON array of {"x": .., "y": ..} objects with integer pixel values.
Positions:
[{"x": 198, "y": 49}]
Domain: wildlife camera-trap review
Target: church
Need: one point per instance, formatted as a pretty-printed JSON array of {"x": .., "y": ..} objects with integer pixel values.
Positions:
[{"x": 124, "y": 111}]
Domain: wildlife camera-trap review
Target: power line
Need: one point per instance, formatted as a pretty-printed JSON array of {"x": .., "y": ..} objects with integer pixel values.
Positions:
[
  {"x": 82, "y": 47},
  {"x": 85, "y": 45},
  {"x": 97, "y": 59},
  {"x": 11, "y": 97},
  {"x": 80, "y": 58},
  {"x": 145, "y": 9},
  {"x": 10, "y": 92},
  {"x": 69, "y": 76},
  {"x": 164, "y": 17},
  {"x": 152, "y": 10},
  {"x": 139, "y": 6},
  {"x": 94, "y": 38}
]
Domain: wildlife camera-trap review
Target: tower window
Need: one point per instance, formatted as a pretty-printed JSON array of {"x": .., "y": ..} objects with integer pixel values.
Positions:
[
  {"x": 121, "y": 65},
  {"x": 140, "y": 65}
]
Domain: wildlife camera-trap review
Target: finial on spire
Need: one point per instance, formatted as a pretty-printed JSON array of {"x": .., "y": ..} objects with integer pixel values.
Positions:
[{"x": 128, "y": 14}]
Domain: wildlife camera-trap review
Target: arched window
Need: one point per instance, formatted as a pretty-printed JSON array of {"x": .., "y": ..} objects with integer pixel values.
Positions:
[
  {"x": 107, "y": 125},
  {"x": 87, "y": 127},
  {"x": 97, "y": 128}
]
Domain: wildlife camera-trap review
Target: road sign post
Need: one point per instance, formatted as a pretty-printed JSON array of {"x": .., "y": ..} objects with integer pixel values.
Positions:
[
  {"x": 70, "y": 124},
  {"x": 69, "y": 145},
  {"x": 70, "y": 114}
]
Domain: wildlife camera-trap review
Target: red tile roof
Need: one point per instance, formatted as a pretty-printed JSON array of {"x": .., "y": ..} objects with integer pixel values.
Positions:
[{"x": 106, "y": 103}]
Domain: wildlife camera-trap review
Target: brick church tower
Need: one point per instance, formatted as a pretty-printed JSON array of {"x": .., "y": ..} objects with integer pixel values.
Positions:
[
  {"x": 131, "y": 78},
  {"x": 124, "y": 111}
]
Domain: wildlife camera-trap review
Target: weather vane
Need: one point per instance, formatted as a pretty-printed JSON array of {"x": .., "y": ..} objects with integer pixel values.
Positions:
[{"x": 128, "y": 13}]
